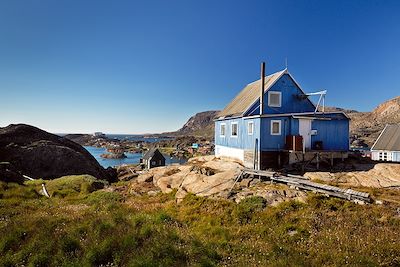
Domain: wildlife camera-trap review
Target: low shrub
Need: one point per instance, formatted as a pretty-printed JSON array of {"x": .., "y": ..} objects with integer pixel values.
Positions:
[{"x": 248, "y": 206}]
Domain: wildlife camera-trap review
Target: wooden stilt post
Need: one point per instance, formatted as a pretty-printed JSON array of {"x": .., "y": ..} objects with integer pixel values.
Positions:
[
  {"x": 279, "y": 159},
  {"x": 294, "y": 143},
  {"x": 255, "y": 155}
]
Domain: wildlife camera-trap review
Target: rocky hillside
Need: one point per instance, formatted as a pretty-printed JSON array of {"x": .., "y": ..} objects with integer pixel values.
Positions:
[
  {"x": 39, "y": 154},
  {"x": 201, "y": 124},
  {"x": 366, "y": 126}
]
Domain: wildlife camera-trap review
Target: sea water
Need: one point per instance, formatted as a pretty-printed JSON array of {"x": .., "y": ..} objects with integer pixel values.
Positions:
[{"x": 131, "y": 158}]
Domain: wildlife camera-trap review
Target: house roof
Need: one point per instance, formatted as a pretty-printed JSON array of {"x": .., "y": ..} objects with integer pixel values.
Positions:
[
  {"x": 250, "y": 94},
  {"x": 389, "y": 139},
  {"x": 150, "y": 153}
]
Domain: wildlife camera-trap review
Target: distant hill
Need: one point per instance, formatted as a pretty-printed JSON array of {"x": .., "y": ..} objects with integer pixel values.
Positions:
[
  {"x": 367, "y": 126},
  {"x": 200, "y": 125},
  {"x": 336, "y": 109}
]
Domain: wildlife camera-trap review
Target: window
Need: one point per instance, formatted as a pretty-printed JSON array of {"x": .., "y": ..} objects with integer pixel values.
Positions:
[
  {"x": 383, "y": 156},
  {"x": 250, "y": 128},
  {"x": 234, "y": 129},
  {"x": 222, "y": 129},
  {"x": 275, "y": 127},
  {"x": 275, "y": 99}
]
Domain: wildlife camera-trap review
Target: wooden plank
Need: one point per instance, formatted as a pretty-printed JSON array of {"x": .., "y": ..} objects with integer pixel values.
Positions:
[{"x": 306, "y": 184}]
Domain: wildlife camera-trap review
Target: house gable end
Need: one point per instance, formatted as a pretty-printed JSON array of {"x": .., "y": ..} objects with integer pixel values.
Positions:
[{"x": 290, "y": 100}]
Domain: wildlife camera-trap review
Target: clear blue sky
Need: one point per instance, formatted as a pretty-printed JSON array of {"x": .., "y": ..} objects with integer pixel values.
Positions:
[{"x": 146, "y": 66}]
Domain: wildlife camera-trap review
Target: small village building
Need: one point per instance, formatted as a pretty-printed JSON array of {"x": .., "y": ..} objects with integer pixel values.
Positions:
[
  {"x": 98, "y": 134},
  {"x": 153, "y": 158},
  {"x": 387, "y": 146},
  {"x": 272, "y": 123}
]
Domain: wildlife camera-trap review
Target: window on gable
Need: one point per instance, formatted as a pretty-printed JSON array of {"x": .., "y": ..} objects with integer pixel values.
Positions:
[
  {"x": 234, "y": 129},
  {"x": 222, "y": 129},
  {"x": 275, "y": 127},
  {"x": 250, "y": 128},
  {"x": 274, "y": 99}
]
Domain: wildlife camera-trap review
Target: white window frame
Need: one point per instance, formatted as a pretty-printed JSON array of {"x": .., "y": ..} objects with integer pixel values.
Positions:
[
  {"x": 237, "y": 129},
  {"x": 220, "y": 130},
  {"x": 280, "y": 127},
  {"x": 248, "y": 127},
  {"x": 269, "y": 99}
]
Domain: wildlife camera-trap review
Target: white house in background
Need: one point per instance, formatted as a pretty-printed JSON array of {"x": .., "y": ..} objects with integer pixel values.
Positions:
[{"x": 387, "y": 146}]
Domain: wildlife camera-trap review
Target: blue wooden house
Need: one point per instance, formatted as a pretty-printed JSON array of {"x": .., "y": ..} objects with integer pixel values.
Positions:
[{"x": 272, "y": 122}]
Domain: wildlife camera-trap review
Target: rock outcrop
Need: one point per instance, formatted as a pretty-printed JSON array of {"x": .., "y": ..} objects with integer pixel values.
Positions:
[
  {"x": 9, "y": 174},
  {"x": 210, "y": 176},
  {"x": 120, "y": 155},
  {"x": 381, "y": 175},
  {"x": 203, "y": 176},
  {"x": 39, "y": 154}
]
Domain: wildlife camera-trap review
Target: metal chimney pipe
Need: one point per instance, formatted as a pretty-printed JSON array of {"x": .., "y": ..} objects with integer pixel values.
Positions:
[{"x": 262, "y": 87}]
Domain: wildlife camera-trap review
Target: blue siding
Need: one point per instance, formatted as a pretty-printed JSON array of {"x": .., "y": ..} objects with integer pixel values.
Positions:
[
  {"x": 274, "y": 142},
  {"x": 290, "y": 102},
  {"x": 294, "y": 126},
  {"x": 249, "y": 140},
  {"x": 396, "y": 156},
  {"x": 243, "y": 140},
  {"x": 334, "y": 134}
]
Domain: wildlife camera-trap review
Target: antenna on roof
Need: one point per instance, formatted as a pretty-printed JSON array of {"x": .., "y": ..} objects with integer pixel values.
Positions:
[{"x": 286, "y": 62}]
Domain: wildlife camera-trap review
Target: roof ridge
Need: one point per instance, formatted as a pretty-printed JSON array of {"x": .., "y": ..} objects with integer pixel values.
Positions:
[{"x": 270, "y": 75}]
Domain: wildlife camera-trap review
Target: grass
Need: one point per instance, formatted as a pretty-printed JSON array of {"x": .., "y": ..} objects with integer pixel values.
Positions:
[
  {"x": 69, "y": 186},
  {"x": 93, "y": 228}
]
